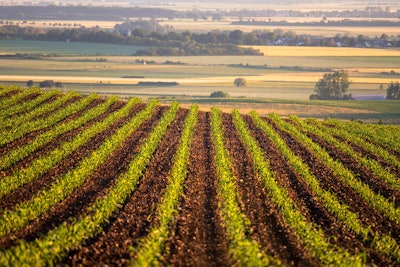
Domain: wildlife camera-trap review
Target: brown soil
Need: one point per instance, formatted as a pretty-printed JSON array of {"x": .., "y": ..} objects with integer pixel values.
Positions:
[
  {"x": 136, "y": 217},
  {"x": 268, "y": 227},
  {"x": 198, "y": 238},
  {"x": 30, "y": 136},
  {"x": 367, "y": 215},
  {"x": 25, "y": 192}
]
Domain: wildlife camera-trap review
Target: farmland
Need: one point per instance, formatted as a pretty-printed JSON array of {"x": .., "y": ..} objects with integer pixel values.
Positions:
[{"x": 94, "y": 181}]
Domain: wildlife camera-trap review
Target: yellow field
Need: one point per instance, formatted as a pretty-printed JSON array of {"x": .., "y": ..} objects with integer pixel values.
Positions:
[{"x": 302, "y": 51}]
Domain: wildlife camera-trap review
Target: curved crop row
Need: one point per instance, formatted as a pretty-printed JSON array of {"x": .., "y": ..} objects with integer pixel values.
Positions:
[
  {"x": 385, "y": 244},
  {"x": 42, "y": 164},
  {"x": 150, "y": 248},
  {"x": 17, "y": 132},
  {"x": 22, "y": 214},
  {"x": 245, "y": 252},
  {"x": 53, "y": 246},
  {"x": 19, "y": 153},
  {"x": 28, "y": 105},
  {"x": 377, "y": 201},
  {"x": 312, "y": 237},
  {"x": 17, "y": 120},
  {"x": 328, "y": 134}
]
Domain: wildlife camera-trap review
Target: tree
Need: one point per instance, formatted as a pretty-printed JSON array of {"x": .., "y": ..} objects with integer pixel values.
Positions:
[
  {"x": 332, "y": 86},
  {"x": 393, "y": 91},
  {"x": 239, "y": 82},
  {"x": 29, "y": 83},
  {"x": 58, "y": 85}
]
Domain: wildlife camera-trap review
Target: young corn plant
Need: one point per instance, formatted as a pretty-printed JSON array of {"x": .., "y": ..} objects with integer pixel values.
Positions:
[
  {"x": 44, "y": 163},
  {"x": 377, "y": 201},
  {"x": 383, "y": 243},
  {"x": 17, "y": 132},
  {"x": 376, "y": 168},
  {"x": 150, "y": 248},
  {"x": 48, "y": 249},
  {"x": 312, "y": 237},
  {"x": 26, "y": 106},
  {"x": 47, "y": 108},
  {"x": 13, "y": 100},
  {"x": 245, "y": 251},
  {"x": 21, "y": 152},
  {"x": 9, "y": 88},
  {"x": 22, "y": 214},
  {"x": 381, "y": 135}
]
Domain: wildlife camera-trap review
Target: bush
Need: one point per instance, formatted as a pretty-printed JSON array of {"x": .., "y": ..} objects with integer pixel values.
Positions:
[
  {"x": 46, "y": 83},
  {"x": 239, "y": 82},
  {"x": 219, "y": 94}
]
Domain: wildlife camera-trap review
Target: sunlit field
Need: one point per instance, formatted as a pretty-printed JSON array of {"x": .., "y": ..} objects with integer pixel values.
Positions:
[{"x": 302, "y": 51}]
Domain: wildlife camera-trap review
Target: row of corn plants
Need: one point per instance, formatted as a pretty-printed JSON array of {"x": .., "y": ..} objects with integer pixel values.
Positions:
[
  {"x": 47, "y": 108},
  {"x": 28, "y": 105},
  {"x": 385, "y": 243},
  {"x": 150, "y": 248},
  {"x": 244, "y": 250},
  {"x": 312, "y": 236},
  {"x": 42, "y": 164},
  {"x": 382, "y": 135},
  {"x": 23, "y": 213},
  {"x": 42, "y": 139},
  {"x": 13, "y": 100},
  {"x": 373, "y": 165},
  {"x": 25, "y": 128},
  {"x": 50, "y": 248},
  {"x": 377, "y": 201}
]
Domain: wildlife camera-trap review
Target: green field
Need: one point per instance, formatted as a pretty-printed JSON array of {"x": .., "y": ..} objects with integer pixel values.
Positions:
[{"x": 64, "y": 48}]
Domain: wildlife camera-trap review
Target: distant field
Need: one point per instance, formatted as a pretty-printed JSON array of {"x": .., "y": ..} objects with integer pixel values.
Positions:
[
  {"x": 225, "y": 24},
  {"x": 64, "y": 48},
  {"x": 284, "y": 73},
  {"x": 303, "y": 51}
]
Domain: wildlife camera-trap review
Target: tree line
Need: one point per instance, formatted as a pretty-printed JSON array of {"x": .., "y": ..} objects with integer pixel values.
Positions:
[{"x": 166, "y": 42}]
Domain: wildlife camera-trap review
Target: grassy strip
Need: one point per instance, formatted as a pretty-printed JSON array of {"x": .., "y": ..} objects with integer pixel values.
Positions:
[
  {"x": 44, "y": 163},
  {"x": 45, "y": 251},
  {"x": 373, "y": 165},
  {"x": 312, "y": 237},
  {"x": 22, "y": 214},
  {"x": 150, "y": 248},
  {"x": 10, "y": 102},
  {"x": 41, "y": 140},
  {"x": 377, "y": 201},
  {"x": 38, "y": 111},
  {"x": 31, "y": 126},
  {"x": 385, "y": 243},
  {"x": 28, "y": 105},
  {"x": 245, "y": 251}
]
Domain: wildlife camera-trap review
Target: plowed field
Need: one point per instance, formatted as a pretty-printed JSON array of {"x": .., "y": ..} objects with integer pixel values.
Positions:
[{"x": 302, "y": 199}]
